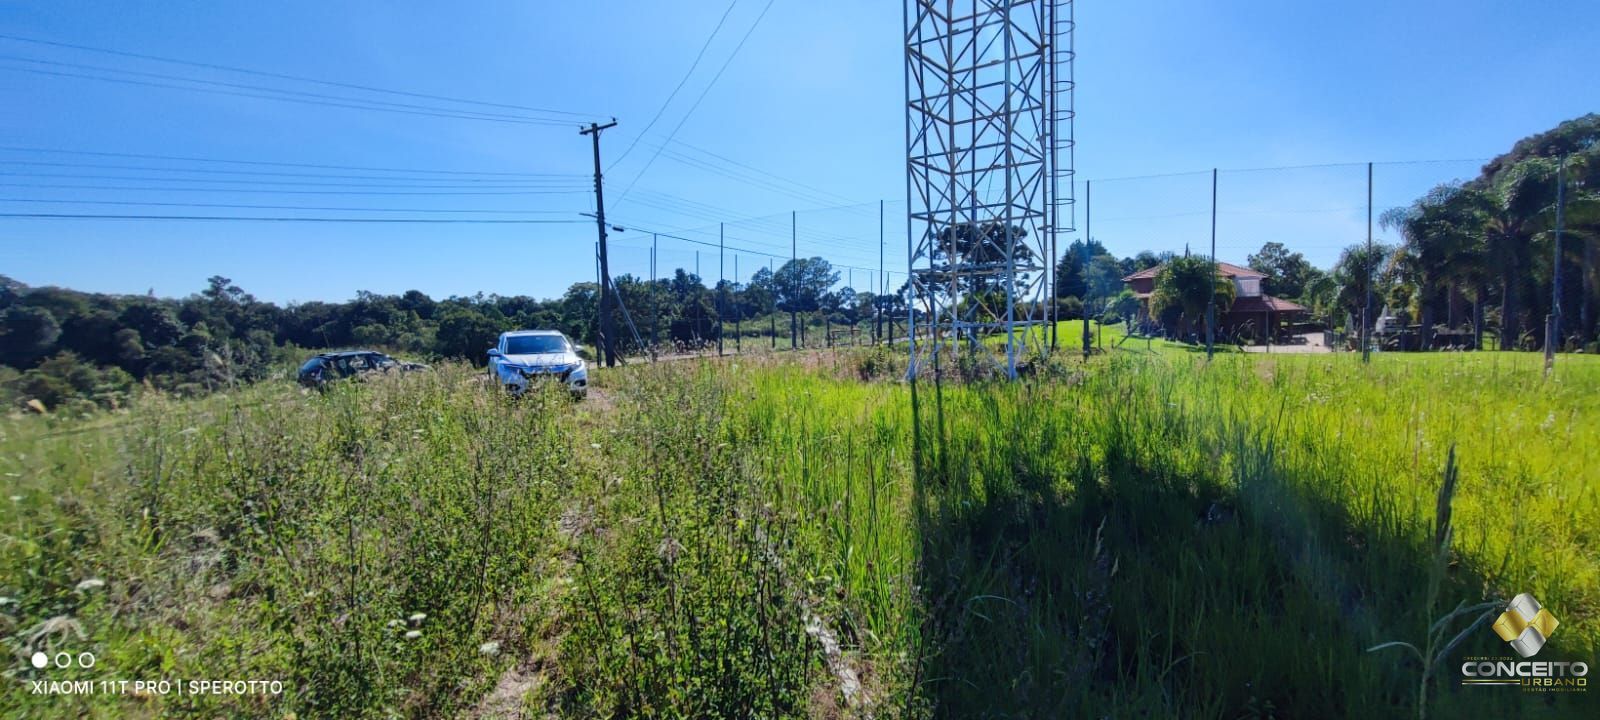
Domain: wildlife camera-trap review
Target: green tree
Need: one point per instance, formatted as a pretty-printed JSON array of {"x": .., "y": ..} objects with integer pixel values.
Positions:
[
  {"x": 1361, "y": 267},
  {"x": 465, "y": 333},
  {"x": 1287, "y": 272},
  {"x": 27, "y": 334},
  {"x": 1070, "y": 280},
  {"x": 801, "y": 284},
  {"x": 1144, "y": 260},
  {"x": 1187, "y": 286},
  {"x": 1104, "y": 279},
  {"x": 1124, "y": 305},
  {"x": 1442, "y": 247},
  {"x": 760, "y": 296}
]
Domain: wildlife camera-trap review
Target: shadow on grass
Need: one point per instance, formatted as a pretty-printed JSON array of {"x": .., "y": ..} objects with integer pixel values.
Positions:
[{"x": 1155, "y": 574}]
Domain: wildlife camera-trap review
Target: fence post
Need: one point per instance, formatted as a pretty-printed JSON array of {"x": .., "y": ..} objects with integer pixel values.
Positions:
[{"x": 738, "y": 313}]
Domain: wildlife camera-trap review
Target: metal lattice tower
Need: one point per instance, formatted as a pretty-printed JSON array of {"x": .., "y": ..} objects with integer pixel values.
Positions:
[{"x": 988, "y": 170}]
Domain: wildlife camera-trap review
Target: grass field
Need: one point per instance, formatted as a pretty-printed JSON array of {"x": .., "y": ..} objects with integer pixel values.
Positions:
[{"x": 1145, "y": 535}]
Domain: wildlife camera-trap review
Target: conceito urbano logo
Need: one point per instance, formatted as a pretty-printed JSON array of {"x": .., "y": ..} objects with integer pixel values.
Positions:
[{"x": 1526, "y": 627}]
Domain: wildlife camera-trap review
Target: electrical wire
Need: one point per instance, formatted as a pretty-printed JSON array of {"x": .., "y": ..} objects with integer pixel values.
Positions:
[
  {"x": 259, "y": 96},
  {"x": 221, "y": 218},
  {"x": 232, "y": 206},
  {"x": 297, "y": 78},
  {"x": 737, "y": 249},
  {"x": 542, "y": 177},
  {"x": 262, "y": 163},
  {"x": 698, "y": 100},
  {"x": 731, "y": 161},
  {"x": 703, "y": 48},
  {"x": 287, "y": 192},
  {"x": 499, "y": 184},
  {"x": 263, "y": 88},
  {"x": 740, "y": 177}
]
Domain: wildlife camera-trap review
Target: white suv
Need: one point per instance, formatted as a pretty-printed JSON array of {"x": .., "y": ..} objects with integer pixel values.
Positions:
[{"x": 523, "y": 355}]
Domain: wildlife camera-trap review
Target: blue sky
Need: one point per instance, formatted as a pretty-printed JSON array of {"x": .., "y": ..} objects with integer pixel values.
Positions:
[{"x": 807, "y": 117}]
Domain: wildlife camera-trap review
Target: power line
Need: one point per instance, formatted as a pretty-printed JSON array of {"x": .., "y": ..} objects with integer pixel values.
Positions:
[
  {"x": 752, "y": 168},
  {"x": 224, "y": 218},
  {"x": 297, "y": 78},
  {"x": 287, "y": 192},
  {"x": 269, "y": 89},
  {"x": 457, "y": 115},
  {"x": 264, "y": 163},
  {"x": 697, "y": 100},
  {"x": 736, "y": 249},
  {"x": 531, "y": 184},
  {"x": 674, "y": 93},
  {"x": 232, "y": 206},
  {"x": 530, "y": 177},
  {"x": 816, "y": 237},
  {"x": 740, "y": 176}
]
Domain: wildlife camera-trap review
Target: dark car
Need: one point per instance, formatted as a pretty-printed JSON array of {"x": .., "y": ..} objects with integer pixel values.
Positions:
[{"x": 327, "y": 367}]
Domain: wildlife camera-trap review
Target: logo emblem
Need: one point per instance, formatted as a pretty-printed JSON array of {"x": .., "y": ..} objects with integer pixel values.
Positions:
[{"x": 1525, "y": 625}]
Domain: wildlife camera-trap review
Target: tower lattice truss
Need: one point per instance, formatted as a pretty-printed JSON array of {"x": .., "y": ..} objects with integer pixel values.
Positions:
[{"x": 989, "y": 171}]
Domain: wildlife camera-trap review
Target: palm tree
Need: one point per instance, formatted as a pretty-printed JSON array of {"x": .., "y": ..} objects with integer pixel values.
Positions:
[
  {"x": 1516, "y": 201},
  {"x": 1360, "y": 267},
  {"x": 1442, "y": 249}
]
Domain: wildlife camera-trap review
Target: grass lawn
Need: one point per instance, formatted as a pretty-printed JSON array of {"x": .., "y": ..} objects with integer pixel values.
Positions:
[{"x": 1105, "y": 338}]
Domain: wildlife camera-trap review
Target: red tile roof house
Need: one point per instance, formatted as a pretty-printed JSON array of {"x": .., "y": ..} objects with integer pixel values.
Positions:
[{"x": 1251, "y": 310}]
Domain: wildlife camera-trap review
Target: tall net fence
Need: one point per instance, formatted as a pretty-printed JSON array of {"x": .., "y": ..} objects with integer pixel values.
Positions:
[
  {"x": 808, "y": 278},
  {"x": 1452, "y": 261},
  {"x": 1314, "y": 258}
]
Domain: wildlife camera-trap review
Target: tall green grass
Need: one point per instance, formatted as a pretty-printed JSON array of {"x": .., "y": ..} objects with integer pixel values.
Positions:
[
  {"x": 1182, "y": 538},
  {"x": 1142, "y": 535},
  {"x": 365, "y": 546}
]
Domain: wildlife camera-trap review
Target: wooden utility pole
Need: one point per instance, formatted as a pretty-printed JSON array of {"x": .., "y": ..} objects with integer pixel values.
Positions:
[{"x": 607, "y": 349}]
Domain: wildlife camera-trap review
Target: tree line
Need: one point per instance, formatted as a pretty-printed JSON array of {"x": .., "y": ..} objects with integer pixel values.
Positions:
[{"x": 63, "y": 347}]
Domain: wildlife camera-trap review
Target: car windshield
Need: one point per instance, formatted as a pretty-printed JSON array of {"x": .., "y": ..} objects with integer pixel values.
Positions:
[{"x": 535, "y": 344}]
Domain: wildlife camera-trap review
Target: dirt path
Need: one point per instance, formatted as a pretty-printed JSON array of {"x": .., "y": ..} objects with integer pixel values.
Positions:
[
  {"x": 523, "y": 690},
  {"x": 507, "y": 700}
]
